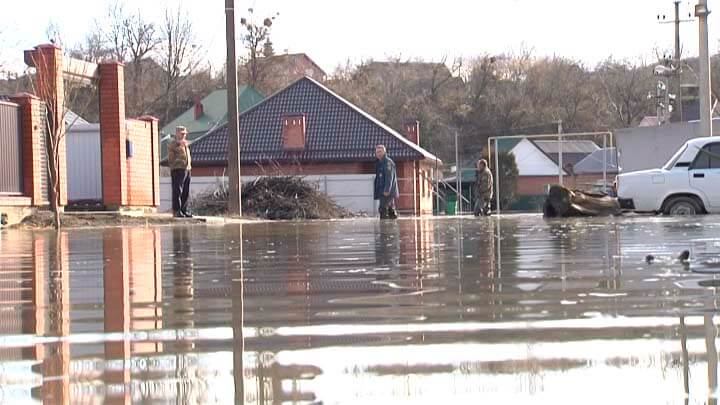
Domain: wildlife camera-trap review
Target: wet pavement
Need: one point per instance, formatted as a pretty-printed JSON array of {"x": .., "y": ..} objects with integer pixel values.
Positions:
[{"x": 414, "y": 311}]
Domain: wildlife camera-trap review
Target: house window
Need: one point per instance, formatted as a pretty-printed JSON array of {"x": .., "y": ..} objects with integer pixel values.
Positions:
[{"x": 293, "y": 132}]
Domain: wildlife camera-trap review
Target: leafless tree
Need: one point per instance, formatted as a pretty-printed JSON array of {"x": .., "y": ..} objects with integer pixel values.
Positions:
[
  {"x": 113, "y": 32},
  {"x": 142, "y": 39},
  {"x": 256, "y": 40},
  {"x": 179, "y": 54},
  {"x": 442, "y": 75},
  {"x": 626, "y": 88},
  {"x": 56, "y": 120}
]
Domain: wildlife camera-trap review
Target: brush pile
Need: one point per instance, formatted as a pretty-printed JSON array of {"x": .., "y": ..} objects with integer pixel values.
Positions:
[{"x": 284, "y": 197}]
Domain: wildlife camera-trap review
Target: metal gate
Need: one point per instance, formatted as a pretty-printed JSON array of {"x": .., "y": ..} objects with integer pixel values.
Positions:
[
  {"x": 11, "y": 175},
  {"x": 84, "y": 163}
]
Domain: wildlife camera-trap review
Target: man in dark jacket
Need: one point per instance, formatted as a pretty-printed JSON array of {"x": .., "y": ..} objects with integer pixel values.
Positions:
[
  {"x": 180, "y": 165},
  {"x": 386, "y": 186}
]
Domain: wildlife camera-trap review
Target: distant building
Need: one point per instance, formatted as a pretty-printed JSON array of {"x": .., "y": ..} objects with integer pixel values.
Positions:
[
  {"x": 279, "y": 71},
  {"x": 207, "y": 113}
]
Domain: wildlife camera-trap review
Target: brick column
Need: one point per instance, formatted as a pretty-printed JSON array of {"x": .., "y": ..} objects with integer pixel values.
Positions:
[
  {"x": 112, "y": 134},
  {"x": 32, "y": 152},
  {"x": 48, "y": 61},
  {"x": 154, "y": 155}
]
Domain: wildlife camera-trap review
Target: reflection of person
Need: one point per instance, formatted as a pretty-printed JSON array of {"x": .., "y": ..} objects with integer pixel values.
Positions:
[
  {"x": 386, "y": 186},
  {"x": 183, "y": 291},
  {"x": 387, "y": 244},
  {"x": 483, "y": 188},
  {"x": 180, "y": 165}
]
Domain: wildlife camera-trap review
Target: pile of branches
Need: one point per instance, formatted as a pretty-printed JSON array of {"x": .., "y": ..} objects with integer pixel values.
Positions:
[{"x": 283, "y": 197}]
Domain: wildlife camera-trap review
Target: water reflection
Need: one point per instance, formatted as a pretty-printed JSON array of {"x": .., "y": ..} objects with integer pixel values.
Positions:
[{"x": 417, "y": 311}]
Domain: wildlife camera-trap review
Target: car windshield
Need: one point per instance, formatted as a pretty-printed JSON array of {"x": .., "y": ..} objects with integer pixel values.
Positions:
[{"x": 669, "y": 165}]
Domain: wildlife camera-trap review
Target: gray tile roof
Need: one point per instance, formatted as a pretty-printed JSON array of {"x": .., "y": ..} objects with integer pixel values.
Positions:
[
  {"x": 593, "y": 163},
  {"x": 336, "y": 131}
]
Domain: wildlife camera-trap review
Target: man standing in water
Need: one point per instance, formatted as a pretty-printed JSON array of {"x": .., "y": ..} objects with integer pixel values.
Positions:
[
  {"x": 483, "y": 188},
  {"x": 386, "y": 187},
  {"x": 180, "y": 165}
]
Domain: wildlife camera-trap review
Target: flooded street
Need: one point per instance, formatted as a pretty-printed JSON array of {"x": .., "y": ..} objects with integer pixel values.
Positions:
[{"x": 432, "y": 311}]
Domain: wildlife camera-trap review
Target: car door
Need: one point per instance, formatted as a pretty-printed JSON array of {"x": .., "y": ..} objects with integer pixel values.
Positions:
[{"x": 705, "y": 173}]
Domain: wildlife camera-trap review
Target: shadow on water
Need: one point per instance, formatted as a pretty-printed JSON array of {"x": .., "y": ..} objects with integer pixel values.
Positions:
[{"x": 416, "y": 310}]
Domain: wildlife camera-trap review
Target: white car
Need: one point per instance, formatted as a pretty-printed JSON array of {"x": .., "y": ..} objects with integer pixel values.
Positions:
[{"x": 688, "y": 184}]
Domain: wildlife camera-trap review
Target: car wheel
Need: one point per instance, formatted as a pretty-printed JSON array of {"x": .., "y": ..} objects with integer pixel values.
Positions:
[{"x": 682, "y": 206}]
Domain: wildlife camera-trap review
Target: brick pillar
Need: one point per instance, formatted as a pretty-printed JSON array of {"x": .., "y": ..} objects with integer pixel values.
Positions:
[
  {"x": 48, "y": 61},
  {"x": 32, "y": 152},
  {"x": 154, "y": 155},
  {"x": 406, "y": 185},
  {"x": 112, "y": 134}
]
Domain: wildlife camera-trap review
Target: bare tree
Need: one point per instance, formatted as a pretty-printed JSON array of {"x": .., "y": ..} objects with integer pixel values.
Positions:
[
  {"x": 626, "y": 87},
  {"x": 179, "y": 54},
  {"x": 142, "y": 38},
  {"x": 56, "y": 120},
  {"x": 256, "y": 40},
  {"x": 441, "y": 75},
  {"x": 113, "y": 32}
]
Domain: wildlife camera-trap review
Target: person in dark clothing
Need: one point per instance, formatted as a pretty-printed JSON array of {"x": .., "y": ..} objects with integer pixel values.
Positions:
[
  {"x": 483, "y": 188},
  {"x": 386, "y": 186},
  {"x": 180, "y": 165}
]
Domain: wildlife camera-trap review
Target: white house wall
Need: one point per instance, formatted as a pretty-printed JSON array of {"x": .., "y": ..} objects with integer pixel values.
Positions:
[
  {"x": 351, "y": 191},
  {"x": 531, "y": 161}
]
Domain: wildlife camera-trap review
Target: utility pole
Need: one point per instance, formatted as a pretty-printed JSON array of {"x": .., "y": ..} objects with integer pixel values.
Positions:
[
  {"x": 677, "y": 65},
  {"x": 458, "y": 177},
  {"x": 678, "y": 72},
  {"x": 560, "y": 151},
  {"x": 701, "y": 11},
  {"x": 233, "y": 137}
]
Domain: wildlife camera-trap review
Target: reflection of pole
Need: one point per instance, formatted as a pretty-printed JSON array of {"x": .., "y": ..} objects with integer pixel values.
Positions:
[
  {"x": 712, "y": 355},
  {"x": 458, "y": 174},
  {"x": 233, "y": 137},
  {"x": 683, "y": 346},
  {"x": 701, "y": 11},
  {"x": 238, "y": 322}
]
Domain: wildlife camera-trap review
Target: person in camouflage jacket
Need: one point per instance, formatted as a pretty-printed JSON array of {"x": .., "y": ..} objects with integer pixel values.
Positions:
[{"x": 483, "y": 188}]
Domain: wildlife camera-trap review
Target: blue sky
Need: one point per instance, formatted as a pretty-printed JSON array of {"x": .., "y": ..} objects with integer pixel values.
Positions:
[{"x": 333, "y": 31}]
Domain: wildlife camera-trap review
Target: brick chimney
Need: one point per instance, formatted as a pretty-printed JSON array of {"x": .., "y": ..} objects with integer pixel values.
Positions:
[
  {"x": 411, "y": 130},
  {"x": 198, "y": 108},
  {"x": 293, "y": 132}
]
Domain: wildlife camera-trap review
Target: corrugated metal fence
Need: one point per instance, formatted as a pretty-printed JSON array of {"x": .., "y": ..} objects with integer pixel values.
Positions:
[{"x": 11, "y": 175}]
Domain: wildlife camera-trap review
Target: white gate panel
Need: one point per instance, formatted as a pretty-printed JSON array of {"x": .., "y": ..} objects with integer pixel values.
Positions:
[{"x": 84, "y": 163}]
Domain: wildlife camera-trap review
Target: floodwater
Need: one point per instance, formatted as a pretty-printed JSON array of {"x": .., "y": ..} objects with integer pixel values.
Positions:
[{"x": 451, "y": 310}]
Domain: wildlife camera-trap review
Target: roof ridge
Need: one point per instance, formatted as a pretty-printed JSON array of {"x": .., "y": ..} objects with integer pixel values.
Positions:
[
  {"x": 547, "y": 155},
  {"x": 376, "y": 121}
]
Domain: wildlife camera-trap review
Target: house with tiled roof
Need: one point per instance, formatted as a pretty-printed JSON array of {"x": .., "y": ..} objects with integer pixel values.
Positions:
[{"x": 306, "y": 129}]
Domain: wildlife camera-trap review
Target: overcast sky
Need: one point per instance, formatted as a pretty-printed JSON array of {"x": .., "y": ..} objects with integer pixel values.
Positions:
[{"x": 331, "y": 31}]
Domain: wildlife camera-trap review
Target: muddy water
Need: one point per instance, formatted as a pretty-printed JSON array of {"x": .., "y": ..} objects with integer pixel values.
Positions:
[{"x": 414, "y": 311}]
